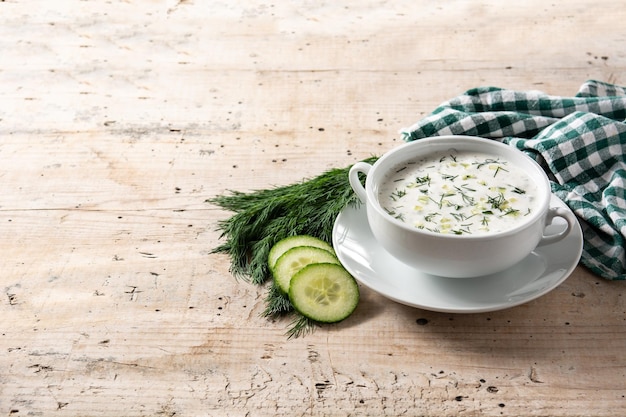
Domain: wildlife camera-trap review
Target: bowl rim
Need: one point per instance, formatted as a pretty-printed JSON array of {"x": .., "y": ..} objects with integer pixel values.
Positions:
[{"x": 372, "y": 193}]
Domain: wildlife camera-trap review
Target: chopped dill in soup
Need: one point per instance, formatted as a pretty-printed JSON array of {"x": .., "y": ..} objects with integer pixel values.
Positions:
[{"x": 460, "y": 193}]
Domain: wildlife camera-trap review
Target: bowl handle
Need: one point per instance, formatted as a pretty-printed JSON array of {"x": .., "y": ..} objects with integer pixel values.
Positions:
[
  {"x": 567, "y": 215},
  {"x": 355, "y": 181}
]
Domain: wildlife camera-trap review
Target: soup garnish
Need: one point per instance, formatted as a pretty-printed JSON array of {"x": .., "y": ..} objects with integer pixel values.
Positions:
[{"x": 461, "y": 193}]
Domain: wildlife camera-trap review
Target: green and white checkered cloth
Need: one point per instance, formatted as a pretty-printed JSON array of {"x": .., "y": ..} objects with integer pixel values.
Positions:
[{"x": 580, "y": 142}]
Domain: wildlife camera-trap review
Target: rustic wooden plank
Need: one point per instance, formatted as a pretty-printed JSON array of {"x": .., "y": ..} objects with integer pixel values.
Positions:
[{"x": 117, "y": 122}]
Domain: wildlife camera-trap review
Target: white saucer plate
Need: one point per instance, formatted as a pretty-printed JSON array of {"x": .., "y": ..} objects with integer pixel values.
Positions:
[{"x": 540, "y": 272}]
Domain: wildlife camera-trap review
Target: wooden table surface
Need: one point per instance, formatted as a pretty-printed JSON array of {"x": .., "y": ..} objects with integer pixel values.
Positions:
[{"x": 119, "y": 119}]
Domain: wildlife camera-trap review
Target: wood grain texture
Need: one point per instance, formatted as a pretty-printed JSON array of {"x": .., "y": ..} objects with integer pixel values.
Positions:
[{"x": 119, "y": 119}]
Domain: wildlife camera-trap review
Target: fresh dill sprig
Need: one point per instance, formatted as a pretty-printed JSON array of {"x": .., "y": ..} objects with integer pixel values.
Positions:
[
  {"x": 263, "y": 217},
  {"x": 277, "y": 303},
  {"x": 397, "y": 194},
  {"x": 300, "y": 326},
  {"x": 498, "y": 168},
  {"x": 448, "y": 177},
  {"x": 423, "y": 180}
]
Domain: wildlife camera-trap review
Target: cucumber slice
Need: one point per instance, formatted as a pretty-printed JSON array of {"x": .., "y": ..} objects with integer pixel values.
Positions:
[
  {"x": 287, "y": 243},
  {"x": 295, "y": 259},
  {"x": 323, "y": 292}
]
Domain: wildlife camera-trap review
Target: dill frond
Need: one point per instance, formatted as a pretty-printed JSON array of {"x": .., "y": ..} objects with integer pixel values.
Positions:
[
  {"x": 263, "y": 217},
  {"x": 276, "y": 303},
  {"x": 300, "y": 326}
]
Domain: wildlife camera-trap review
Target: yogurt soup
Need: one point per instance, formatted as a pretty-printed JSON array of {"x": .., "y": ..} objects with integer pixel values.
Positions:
[{"x": 462, "y": 193}]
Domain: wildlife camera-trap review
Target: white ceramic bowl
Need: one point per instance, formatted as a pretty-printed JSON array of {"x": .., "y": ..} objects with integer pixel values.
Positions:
[{"x": 451, "y": 255}]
